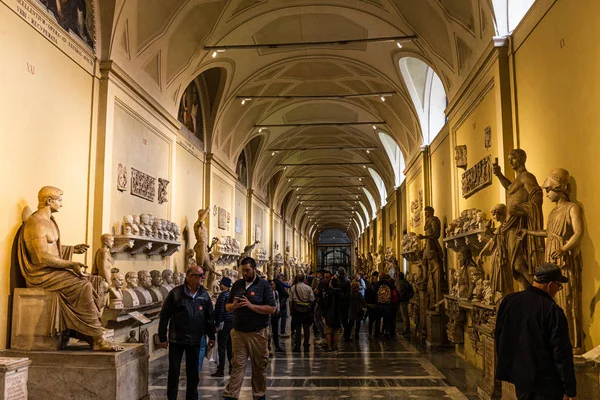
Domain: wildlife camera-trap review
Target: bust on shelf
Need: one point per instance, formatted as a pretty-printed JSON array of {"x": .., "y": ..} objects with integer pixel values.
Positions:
[
  {"x": 167, "y": 282},
  {"x": 115, "y": 293},
  {"x": 156, "y": 277},
  {"x": 130, "y": 298},
  {"x": 142, "y": 291}
]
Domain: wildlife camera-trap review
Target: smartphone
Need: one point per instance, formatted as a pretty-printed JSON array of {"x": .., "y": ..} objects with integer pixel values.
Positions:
[{"x": 238, "y": 298}]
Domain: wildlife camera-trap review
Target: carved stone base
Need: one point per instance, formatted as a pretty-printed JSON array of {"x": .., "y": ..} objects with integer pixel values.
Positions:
[
  {"x": 489, "y": 388},
  {"x": 13, "y": 378},
  {"x": 435, "y": 329},
  {"x": 85, "y": 374}
]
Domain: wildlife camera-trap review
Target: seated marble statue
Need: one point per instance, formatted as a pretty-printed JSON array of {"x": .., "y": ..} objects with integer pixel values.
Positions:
[
  {"x": 46, "y": 264},
  {"x": 157, "y": 281},
  {"x": 145, "y": 283},
  {"x": 115, "y": 293},
  {"x": 130, "y": 298},
  {"x": 167, "y": 282}
]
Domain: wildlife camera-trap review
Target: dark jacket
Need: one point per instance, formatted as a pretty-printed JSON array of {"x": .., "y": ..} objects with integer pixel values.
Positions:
[
  {"x": 221, "y": 314},
  {"x": 405, "y": 291},
  {"x": 533, "y": 346},
  {"x": 187, "y": 318},
  {"x": 357, "y": 306},
  {"x": 371, "y": 294},
  {"x": 376, "y": 289},
  {"x": 345, "y": 287},
  {"x": 259, "y": 293},
  {"x": 333, "y": 308},
  {"x": 280, "y": 287}
]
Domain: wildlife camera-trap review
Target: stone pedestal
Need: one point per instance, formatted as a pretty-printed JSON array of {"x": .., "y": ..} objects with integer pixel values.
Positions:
[
  {"x": 489, "y": 388},
  {"x": 86, "y": 374},
  {"x": 13, "y": 378},
  {"x": 435, "y": 329},
  {"x": 32, "y": 320}
]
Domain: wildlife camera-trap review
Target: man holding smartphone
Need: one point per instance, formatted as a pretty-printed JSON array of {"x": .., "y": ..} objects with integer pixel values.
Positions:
[
  {"x": 188, "y": 313},
  {"x": 251, "y": 301}
]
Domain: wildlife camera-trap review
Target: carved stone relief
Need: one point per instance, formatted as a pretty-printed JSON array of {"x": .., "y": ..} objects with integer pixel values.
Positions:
[
  {"x": 460, "y": 156},
  {"x": 416, "y": 208},
  {"x": 222, "y": 221},
  {"x": 487, "y": 141},
  {"x": 142, "y": 185},
  {"x": 122, "y": 178},
  {"x": 162, "y": 191},
  {"x": 477, "y": 177}
]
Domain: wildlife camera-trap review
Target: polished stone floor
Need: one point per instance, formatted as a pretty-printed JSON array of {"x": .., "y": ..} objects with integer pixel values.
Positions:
[{"x": 359, "y": 370}]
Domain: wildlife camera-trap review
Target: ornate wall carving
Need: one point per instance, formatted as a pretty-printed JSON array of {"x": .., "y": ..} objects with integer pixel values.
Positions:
[
  {"x": 477, "y": 177},
  {"x": 142, "y": 185}
]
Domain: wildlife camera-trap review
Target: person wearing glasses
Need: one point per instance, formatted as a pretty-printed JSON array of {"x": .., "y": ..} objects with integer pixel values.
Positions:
[
  {"x": 251, "y": 301},
  {"x": 187, "y": 314},
  {"x": 532, "y": 340}
]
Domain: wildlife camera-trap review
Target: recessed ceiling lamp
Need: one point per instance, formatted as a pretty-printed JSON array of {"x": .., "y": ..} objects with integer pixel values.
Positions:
[
  {"x": 382, "y": 98},
  {"x": 399, "y": 45},
  {"x": 245, "y": 100}
]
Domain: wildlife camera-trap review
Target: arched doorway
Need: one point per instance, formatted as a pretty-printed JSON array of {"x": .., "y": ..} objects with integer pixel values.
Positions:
[{"x": 334, "y": 250}]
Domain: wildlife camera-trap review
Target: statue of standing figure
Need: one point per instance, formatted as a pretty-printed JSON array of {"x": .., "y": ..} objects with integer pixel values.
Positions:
[
  {"x": 524, "y": 205},
  {"x": 433, "y": 256},
  {"x": 103, "y": 264},
  {"x": 46, "y": 264},
  {"x": 502, "y": 274},
  {"x": 201, "y": 247},
  {"x": 563, "y": 235}
]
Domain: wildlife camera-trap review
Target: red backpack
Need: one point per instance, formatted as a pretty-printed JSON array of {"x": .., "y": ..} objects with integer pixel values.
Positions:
[{"x": 395, "y": 299}]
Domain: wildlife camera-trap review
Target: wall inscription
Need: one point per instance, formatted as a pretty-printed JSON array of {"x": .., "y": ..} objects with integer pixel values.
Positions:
[
  {"x": 142, "y": 185},
  {"x": 477, "y": 177}
]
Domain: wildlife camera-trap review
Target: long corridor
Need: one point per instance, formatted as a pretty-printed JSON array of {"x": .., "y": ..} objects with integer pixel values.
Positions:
[{"x": 359, "y": 370}]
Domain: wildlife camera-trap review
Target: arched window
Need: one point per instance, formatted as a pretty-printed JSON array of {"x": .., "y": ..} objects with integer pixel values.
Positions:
[
  {"x": 509, "y": 13},
  {"x": 428, "y": 95},
  {"x": 190, "y": 112},
  {"x": 396, "y": 157},
  {"x": 380, "y": 185},
  {"x": 366, "y": 213},
  {"x": 241, "y": 169},
  {"x": 372, "y": 201}
]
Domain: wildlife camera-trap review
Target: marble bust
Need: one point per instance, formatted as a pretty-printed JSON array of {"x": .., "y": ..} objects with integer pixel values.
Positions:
[
  {"x": 154, "y": 289},
  {"x": 128, "y": 225},
  {"x": 167, "y": 282},
  {"x": 142, "y": 291},
  {"x": 115, "y": 293},
  {"x": 130, "y": 298}
]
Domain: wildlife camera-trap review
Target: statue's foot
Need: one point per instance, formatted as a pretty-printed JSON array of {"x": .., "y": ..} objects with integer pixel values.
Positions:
[{"x": 101, "y": 344}]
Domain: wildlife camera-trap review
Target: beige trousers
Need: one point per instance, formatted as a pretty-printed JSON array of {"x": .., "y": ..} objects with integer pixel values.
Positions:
[{"x": 244, "y": 345}]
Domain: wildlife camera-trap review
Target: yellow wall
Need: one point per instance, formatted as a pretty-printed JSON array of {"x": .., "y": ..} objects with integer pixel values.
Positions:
[
  {"x": 558, "y": 92},
  {"x": 45, "y": 120}
]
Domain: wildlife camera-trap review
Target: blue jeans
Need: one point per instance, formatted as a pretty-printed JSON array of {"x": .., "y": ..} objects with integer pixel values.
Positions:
[{"x": 202, "y": 353}]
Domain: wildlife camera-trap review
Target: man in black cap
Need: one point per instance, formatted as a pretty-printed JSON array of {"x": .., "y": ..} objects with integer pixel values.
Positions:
[
  {"x": 223, "y": 324},
  {"x": 532, "y": 340}
]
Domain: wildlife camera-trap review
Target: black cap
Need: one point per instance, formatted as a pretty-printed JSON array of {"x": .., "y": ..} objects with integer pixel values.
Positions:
[{"x": 548, "y": 272}]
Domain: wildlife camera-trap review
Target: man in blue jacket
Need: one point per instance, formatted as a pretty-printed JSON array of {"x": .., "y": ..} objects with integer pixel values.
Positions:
[
  {"x": 532, "y": 340},
  {"x": 188, "y": 313},
  {"x": 223, "y": 325}
]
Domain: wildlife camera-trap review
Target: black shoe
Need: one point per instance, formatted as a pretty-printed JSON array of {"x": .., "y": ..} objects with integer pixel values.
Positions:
[
  {"x": 279, "y": 350},
  {"x": 296, "y": 350},
  {"x": 218, "y": 374}
]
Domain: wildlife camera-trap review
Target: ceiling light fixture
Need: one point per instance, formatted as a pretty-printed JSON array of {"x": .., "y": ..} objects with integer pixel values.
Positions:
[
  {"x": 399, "y": 45},
  {"x": 214, "y": 54},
  {"x": 382, "y": 98}
]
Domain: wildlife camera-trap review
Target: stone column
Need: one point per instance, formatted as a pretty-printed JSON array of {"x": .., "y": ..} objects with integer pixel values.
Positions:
[{"x": 13, "y": 378}]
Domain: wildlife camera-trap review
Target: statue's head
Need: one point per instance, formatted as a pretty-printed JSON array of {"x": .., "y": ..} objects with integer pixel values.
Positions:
[
  {"x": 145, "y": 218},
  {"x": 156, "y": 277},
  {"x": 145, "y": 279},
  {"x": 107, "y": 240},
  {"x": 128, "y": 219},
  {"x": 557, "y": 184},
  {"x": 157, "y": 223},
  {"x": 116, "y": 278},
  {"x": 50, "y": 196},
  {"x": 151, "y": 219},
  {"x": 132, "y": 280},
  {"x": 499, "y": 212},
  {"x": 429, "y": 212},
  {"x": 167, "y": 276},
  {"x": 517, "y": 158},
  {"x": 480, "y": 216},
  {"x": 136, "y": 219}
]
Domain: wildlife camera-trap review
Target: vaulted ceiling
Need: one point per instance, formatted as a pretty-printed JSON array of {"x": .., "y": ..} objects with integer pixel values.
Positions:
[{"x": 161, "y": 44}]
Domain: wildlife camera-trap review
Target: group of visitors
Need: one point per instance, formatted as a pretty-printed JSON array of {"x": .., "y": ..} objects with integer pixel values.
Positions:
[{"x": 249, "y": 313}]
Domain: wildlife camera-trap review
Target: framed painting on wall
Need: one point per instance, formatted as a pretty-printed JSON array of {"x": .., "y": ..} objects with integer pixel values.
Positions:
[{"x": 222, "y": 219}]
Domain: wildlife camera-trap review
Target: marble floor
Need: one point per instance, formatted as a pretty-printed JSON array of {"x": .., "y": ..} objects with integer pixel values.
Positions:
[{"x": 361, "y": 369}]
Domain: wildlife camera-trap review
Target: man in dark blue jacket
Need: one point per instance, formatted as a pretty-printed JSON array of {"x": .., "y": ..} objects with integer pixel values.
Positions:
[
  {"x": 188, "y": 313},
  {"x": 532, "y": 340},
  {"x": 223, "y": 325}
]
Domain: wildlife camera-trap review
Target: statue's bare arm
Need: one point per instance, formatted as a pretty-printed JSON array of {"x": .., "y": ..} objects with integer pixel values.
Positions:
[
  {"x": 503, "y": 179},
  {"x": 577, "y": 223},
  {"x": 529, "y": 182}
]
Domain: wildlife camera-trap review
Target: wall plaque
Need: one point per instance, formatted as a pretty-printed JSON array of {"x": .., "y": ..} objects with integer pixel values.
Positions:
[
  {"x": 238, "y": 225},
  {"x": 416, "y": 206},
  {"x": 460, "y": 156},
  {"x": 142, "y": 185},
  {"x": 121, "y": 177},
  {"x": 222, "y": 219},
  {"x": 477, "y": 177},
  {"x": 162, "y": 190},
  {"x": 487, "y": 140}
]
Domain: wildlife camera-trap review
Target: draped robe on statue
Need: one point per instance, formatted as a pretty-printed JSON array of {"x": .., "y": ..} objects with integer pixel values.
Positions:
[
  {"x": 532, "y": 249},
  {"x": 76, "y": 304}
]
